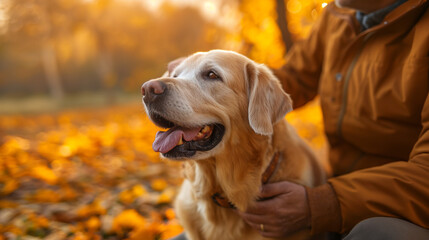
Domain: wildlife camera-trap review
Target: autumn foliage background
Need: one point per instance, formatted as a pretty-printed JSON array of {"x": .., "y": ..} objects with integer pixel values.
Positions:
[{"x": 76, "y": 160}]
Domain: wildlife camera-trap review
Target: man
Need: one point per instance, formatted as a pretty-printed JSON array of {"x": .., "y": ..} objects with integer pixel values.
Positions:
[{"x": 368, "y": 61}]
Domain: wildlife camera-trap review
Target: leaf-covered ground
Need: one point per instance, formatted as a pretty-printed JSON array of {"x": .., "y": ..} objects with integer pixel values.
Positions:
[{"x": 92, "y": 174}]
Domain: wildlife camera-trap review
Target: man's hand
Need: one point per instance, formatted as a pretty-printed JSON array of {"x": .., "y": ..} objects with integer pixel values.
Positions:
[{"x": 283, "y": 210}]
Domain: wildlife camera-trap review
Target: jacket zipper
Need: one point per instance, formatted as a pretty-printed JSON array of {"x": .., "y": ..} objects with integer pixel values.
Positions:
[{"x": 346, "y": 85}]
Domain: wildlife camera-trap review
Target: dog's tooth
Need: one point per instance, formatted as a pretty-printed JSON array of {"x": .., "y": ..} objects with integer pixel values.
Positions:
[
  {"x": 180, "y": 141},
  {"x": 205, "y": 129},
  {"x": 200, "y": 134}
]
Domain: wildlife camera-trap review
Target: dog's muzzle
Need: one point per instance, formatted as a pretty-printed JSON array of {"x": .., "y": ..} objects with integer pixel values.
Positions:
[{"x": 178, "y": 141}]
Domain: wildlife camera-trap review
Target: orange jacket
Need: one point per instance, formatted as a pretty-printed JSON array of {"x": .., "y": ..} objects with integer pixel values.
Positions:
[{"x": 373, "y": 88}]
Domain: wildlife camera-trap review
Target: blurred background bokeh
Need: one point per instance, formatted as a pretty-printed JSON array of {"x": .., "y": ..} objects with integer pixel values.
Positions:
[
  {"x": 58, "y": 50},
  {"x": 75, "y": 145}
]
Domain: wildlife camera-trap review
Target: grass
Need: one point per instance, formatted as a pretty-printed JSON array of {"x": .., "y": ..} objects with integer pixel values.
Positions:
[{"x": 46, "y": 104}]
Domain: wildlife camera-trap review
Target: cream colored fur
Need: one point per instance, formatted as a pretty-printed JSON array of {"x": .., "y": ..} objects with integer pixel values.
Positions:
[{"x": 250, "y": 103}]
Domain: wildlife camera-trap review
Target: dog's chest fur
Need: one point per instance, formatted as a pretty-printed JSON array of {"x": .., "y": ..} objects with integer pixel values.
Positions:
[{"x": 238, "y": 177}]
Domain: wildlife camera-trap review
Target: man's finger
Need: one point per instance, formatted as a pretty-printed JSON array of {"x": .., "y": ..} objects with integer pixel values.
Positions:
[
  {"x": 252, "y": 218},
  {"x": 261, "y": 207},
  {"x": 257, "y": 209},
  {"x": 273, "y": 189},
  {"x": 255, "y": 221}
]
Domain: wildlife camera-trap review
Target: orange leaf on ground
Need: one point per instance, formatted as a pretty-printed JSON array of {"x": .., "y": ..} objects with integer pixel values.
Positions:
[
  {"x": 92, "y": 209},
  {"x": 128, "y": 196},
  {"x": 44, "y": 173},
  {"x": 45, "y": 195},
  {"x": 158, "y": 184},
  {"x": 9, "y": 186},
  {"x": 93, "y": 224},
  {"x": 128, "y": 219},
  {"x": 167, "y": 195}
]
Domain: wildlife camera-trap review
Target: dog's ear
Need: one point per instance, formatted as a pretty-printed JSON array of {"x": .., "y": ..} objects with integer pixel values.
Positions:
[
  {"x": 268, "y": 103},
  {"x": 172, "y": 65}
]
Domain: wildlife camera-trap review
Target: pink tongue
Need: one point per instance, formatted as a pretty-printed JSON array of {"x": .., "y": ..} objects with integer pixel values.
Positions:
[{"x": 165, "y": 141}]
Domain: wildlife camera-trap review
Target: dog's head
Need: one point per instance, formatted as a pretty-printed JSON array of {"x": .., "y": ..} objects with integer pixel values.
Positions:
[{"x": 205, "y": 97}]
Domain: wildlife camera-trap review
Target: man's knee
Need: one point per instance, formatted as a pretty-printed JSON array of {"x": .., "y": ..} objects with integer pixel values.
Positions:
[{"x": 380, "y": 228}]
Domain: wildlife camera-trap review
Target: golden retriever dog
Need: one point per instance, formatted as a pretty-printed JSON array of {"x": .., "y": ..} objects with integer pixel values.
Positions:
[{"x": 225, "y": 119}]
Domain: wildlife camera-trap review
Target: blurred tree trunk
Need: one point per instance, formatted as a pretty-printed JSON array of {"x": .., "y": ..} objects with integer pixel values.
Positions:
[
  {"x": 49, "y": 58},
  {"x": 50, "y": 67},
  {"x": 106, "y": 73},
  {"x": 282, "y": 23},
  {"x": 105, "y": 62}
]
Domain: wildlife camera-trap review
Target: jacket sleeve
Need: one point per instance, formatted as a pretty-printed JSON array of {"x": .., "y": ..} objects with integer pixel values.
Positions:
[
  {"x": 398, "y": 189},
  {"x": 300, "y": 75}
]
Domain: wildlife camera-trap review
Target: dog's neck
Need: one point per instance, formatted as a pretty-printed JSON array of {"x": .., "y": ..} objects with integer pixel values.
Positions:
[
  {"x": 231, "y": 173},
  {"x": 224, "y": 202}
]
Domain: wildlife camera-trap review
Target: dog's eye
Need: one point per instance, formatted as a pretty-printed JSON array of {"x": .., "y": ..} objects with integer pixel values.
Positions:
[{"x": 211, "y": 75}]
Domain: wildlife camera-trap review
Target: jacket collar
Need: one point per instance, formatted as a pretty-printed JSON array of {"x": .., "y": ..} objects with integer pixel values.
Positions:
[
  {"x": 405, "y": 8},
  {"x": 374, "y": 18}
]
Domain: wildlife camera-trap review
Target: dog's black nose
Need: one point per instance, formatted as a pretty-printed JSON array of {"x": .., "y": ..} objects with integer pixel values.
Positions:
[{"x": 153, "y": 89}]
